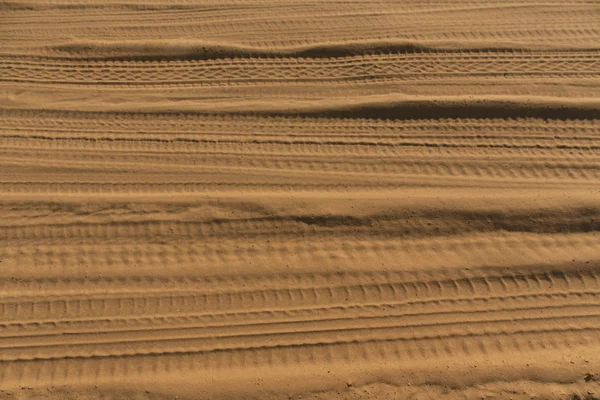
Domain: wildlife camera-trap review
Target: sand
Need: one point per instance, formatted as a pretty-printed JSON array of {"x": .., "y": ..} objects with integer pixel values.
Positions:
[{"x": 282, "y": 199}]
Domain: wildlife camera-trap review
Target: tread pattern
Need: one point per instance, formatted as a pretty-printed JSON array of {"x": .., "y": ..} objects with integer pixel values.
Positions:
[
  {"x": 257, "y": 71},
  {"x": 274, "y": 26},
  {"x": 195, "y": 192},
  {"x": 329, "y": 152},
  {"x": 393, "y": 311}
]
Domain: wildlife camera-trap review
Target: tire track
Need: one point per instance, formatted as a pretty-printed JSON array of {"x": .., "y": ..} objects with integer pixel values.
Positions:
[
  {"x": 488, "y": 304},
  {"x": 182, "y": 122},
  {"x": 546, "y": 26},
  {"x": 70, "y": 371},
  {"x": 530, "y": 146},
  {"x": 548, "y": 170},
  {"x": 485, "y": 332},
  {"x": 422, "y": 66},
  {"x": 219, "y": 197},
  {"x": 400, "y": 224},
  {"x": 481, "y": 250},
  {"x": 297, "y": 296}
]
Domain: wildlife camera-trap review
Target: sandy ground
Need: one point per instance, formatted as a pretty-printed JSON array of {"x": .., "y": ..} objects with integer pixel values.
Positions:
[{"x": 299, "y": 199}]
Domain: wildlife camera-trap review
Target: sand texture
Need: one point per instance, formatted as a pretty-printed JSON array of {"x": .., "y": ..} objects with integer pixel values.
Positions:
[{"x": 285, "y": 199}]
